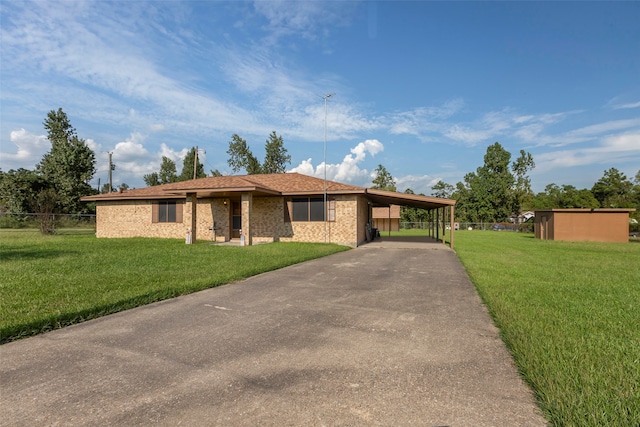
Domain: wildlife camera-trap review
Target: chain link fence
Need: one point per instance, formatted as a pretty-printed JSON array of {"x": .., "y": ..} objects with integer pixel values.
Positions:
[
  {"x": 53, "y": 222},
  {"x": 526, "y": 227}
]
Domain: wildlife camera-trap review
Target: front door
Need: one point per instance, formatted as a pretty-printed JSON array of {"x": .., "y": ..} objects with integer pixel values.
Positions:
[{"x": 236, "y": 219}]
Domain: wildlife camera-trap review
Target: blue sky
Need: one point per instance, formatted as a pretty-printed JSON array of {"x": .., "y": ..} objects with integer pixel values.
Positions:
[{"x": 420, "y": 87}]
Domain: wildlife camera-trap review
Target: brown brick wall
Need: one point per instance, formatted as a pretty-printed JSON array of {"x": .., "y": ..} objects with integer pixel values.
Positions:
[{"x": 133, "y": 219}]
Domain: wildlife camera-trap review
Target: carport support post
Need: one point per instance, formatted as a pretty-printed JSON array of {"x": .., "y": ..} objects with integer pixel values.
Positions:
[
  {"x": 437, "y": 224},
  {"x": 451, "y": 212},
  {"x": 444, "y": 224}
]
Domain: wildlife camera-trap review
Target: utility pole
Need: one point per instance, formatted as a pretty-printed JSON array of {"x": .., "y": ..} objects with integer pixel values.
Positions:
[{"x": 111, "y": 168}]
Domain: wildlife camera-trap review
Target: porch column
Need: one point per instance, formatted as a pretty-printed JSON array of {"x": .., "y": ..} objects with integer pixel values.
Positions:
[
  {"x": 193, "y": 197},
  {"x": 247, "y": 210}
]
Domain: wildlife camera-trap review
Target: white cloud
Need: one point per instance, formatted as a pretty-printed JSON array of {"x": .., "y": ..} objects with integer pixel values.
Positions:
[
  {"x": 29, "y": 149},
  {"x": 624, "y": 147},
  {"x": 419, "y": 184},
  {"x": 307, "y": 19},
  {"x": 587, "y": 133},
  {"x": 349, "y": 169},
  {"x": 626, "y": 106}
]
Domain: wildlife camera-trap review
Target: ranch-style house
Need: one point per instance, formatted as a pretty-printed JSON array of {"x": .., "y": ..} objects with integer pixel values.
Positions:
[{"x": 286, "y": 207}]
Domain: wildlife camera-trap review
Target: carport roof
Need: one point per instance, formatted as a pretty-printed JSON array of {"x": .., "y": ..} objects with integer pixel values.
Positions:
[
  {"x": 386, "y": 198},
  {"x": 287, "y": 184}
]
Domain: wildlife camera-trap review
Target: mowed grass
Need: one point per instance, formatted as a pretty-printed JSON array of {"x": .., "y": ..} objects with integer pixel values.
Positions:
[
  {"x": 570, "y": 315},
  {"x": 48, "y": 282}
]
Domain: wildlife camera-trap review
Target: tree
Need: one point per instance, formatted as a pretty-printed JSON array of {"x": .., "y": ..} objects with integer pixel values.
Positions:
[
  {"x": 187, "y": 167},
  {"x": 276, "y": 157},
  {"x": 168, "y": 171},
  {"x": 216, "y": 172},
  {"x": 442, "y": 190},
  {"x": 70, "y": 164},
  {"x": 613, "y": 190},
  {"x": 151, "y": 179},
  {"x": 412, "y": 215},
  {"x": 106, "y": 188},
  {"x": 492, "y": 185},
  {"x": 522, "y": 194},
  {"x": 566, "y": 196},
  {"x": 241, "y": 157},
  {"x": 383, "y": 179},
  {"x": 47, "y": 202},
  {"x": 19, "y": 190}
]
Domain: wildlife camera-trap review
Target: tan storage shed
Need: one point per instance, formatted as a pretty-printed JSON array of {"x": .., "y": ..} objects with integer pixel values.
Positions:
[{"x": 579, "y": 225}]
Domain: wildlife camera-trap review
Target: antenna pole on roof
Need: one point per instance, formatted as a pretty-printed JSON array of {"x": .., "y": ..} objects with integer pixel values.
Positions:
[
  {"x": 325, "y": 97},
  {"x": 195, "y": 163}
]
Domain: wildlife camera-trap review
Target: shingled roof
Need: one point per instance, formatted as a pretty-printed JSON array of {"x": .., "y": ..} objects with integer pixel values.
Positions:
[{"x": 284, "y": 184}]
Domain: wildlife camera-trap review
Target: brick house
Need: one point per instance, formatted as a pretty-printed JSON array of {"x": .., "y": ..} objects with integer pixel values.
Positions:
[{"x": 263, "y": 208}]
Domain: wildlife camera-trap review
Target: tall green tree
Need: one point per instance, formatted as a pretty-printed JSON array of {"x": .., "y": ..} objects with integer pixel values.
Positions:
[
  {"x": 241, "y": 157},
  {"x": 276, "y": 157},
  {"x": 168, "y": 171},
  {"x": 69, "y": 165},
  {"x": 613, "y": 190},
  {"x": 522, "y": 193},
  {"x": 187, "y": 167},
  {"x": 383, "y": 179},
  {"x": 491, "y": 186},
  {"x": 493, "y": 193}
]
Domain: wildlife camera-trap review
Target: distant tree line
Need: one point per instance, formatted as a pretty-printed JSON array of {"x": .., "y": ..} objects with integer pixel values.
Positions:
[
  {"x": 500, "y": 190},
  {"x": 240, "y": 158},
  {"x": 62, "y": 177},
  {"x": 497, "y": 191}
]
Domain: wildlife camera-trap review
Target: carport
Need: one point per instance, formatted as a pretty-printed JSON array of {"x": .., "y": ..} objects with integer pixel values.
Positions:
[{"x": 444, "y": 209}]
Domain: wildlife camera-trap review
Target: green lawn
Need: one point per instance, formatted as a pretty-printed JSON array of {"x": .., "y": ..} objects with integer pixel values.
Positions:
[
  {"x": 51, "y": 281},
  {"x": 570, "y": 315},
  {"x": 569, "y": 312}
]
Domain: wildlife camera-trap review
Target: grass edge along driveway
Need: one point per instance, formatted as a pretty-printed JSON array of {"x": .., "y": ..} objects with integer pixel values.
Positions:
[
  {"x": 49, "y": 282},
  {"x": 569, "y": 312}
]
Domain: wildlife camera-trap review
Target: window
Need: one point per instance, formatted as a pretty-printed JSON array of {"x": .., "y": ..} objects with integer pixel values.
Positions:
[
  {"x": 300, "y": 209},
  {"x": 316, "y": 208},
  {"x": 167, "y": 211},
  {"x": 310, "y": 209}
]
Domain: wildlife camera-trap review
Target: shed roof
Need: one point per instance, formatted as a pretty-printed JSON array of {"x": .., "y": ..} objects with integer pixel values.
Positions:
[{"x": 587, "y": 210}]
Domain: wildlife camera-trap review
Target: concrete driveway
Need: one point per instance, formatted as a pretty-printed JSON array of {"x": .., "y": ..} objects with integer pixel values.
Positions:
[{"x": 379, "y": 335}]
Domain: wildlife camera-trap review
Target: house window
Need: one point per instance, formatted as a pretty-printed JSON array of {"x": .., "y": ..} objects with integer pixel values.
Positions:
[
  {"x": 166, "y": 211},
  {"x": 311, "y": 209}
]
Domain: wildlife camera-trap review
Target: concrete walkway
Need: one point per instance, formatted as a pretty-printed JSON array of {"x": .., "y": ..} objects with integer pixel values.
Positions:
[{"x": 373, "y": 336}]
